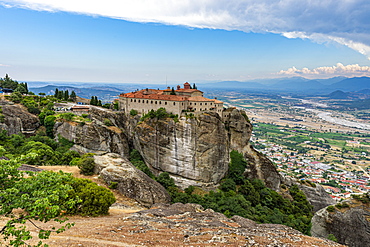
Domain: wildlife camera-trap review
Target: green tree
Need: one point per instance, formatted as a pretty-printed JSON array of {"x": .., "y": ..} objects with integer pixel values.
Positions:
[
  {"x": 20, "y": 88},
  {"x": 43, "y": 197},
  {"x": 56, "y": 93},
  {"x": 49, "y": 123},
  {"x": 73, "y": 96},
  {"x": 66, "y": 95}
]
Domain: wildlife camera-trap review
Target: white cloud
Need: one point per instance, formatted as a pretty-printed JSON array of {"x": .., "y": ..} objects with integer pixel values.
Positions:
[
  {"x": 338, "y": 70},
  {"x": 345, "y": 22},
  {"x": 4, "y": 65}
]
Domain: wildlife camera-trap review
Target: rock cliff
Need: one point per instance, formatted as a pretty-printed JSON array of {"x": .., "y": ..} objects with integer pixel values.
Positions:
[
  {"x": 350, "y": 225},
  {"x": 95, "y": 136},
  {"x": 131, "y": 182},
  {"x": 18, "y": 120},
  {"x": 193, "y": 150}
]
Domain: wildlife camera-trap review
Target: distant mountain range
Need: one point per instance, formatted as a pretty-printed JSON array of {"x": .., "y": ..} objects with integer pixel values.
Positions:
[
  {"x": 298, "y": 85},
  {"x": 358, "y": 86},
  {"x": 104, "y": 93}
]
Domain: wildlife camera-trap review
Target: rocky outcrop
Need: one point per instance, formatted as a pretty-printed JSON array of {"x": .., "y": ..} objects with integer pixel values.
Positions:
[
  {"x": 239, "y": 131},
  {"x": 317, "y": 196},
  {"x": 93, "y": 137},
  {"x": 18, "y": 120},
  {"x": 193, "y": 150},
  {"x": 315, "y": 193},
  {"x": 189, "y": 225},
  {"x": 131, "y": 182},
  {"x": 349, "y": 225}
]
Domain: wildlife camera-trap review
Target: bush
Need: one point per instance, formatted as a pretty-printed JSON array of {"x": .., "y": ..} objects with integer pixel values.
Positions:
[
  {"x": 67, "y": 116},
  {"x": 332, "y": 238},
  {"x": 96, "y": 200},
  {"x": 330, "y": 208},
  {"x": 165, "y": 180},
  {"x": 107, "y": 122},
  {"x": 133, "y": 112},
  {"x": 86, "y": 166},
  {"x": 113, "y": 185}
]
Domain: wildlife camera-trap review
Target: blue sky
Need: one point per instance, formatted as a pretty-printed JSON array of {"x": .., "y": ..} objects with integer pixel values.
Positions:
[{"x": 148, "y": 41}]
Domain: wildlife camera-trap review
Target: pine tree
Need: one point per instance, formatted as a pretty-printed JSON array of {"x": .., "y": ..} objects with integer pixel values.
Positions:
[
  {"x": 194, "y": 87},
  {"x": 73, "y": 96},
  {"x": 66, "y": 95},
  {"x": 56, "y": 93}
]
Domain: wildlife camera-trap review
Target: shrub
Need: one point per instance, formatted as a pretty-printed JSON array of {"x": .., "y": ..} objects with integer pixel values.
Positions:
[
  {"x": 342, "y": 205},
  {"x": 86, "y": 166},
  {"x": 84, "y": 115},
  {"x": 107, "y": 122},
  {"x": 330, "y": 208},
  {"x": 133, "y": 112},
  {"x": 165, "y": 180},
  {"x": 67, "y": 116},
  {"x": 332, "y": 238},
  {"x": 227, "y": 185},
  {"x": 96, "y": 200},
  {"x": 113, "y": 185}
]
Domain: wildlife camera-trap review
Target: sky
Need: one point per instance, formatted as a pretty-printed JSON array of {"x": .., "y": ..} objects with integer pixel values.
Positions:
[{"x": 159, "y": 41}]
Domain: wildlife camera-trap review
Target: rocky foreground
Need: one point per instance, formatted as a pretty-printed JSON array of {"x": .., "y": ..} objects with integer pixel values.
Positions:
[{"x": 178, "y": 225}]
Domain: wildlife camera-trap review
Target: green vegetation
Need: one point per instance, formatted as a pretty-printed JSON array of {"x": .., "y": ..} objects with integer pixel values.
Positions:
[
  {"x": 86, "y": 165},
  {"x": 332, "y": 238},
  {"x": 240, "y": 196},
  {"x": 330, "y": 208},
  {"x": 95, "y": 101},
  {"x": 161, "y": 113},
  {"x": 133, "y": 112},
  {"x": 45, "y": 196}
]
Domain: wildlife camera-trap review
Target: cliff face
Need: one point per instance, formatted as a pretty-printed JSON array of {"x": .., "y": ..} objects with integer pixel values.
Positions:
[
  {"x": 194, "y": 150},
  {"x": 95, "y": 137},
  {"x": 18, "y": 120},
  {"x": 350, "y": 225}
]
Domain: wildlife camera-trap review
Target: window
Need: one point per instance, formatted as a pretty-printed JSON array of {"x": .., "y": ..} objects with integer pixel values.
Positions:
[
  {"x": 131, "y": 100},
  {"x": 165, "y": 103},
  {"x": 156, "y": 102},
  {"x": 200, "y": 103},
  {"x": 174, "y": 103},
  {"x": 138, "y": 101},
  {"x": 147, "y": 101},
  {"x": 151, "y": 102},
  {"x": 160, "y": 102},
  {"x": 205, "y": 103}
]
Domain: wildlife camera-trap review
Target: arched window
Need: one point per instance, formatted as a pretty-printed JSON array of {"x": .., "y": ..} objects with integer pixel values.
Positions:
[
  {"x": 165, "y": 103},
  {"x": 174, "y": 103},
  {"x": 156, "y": 102}
]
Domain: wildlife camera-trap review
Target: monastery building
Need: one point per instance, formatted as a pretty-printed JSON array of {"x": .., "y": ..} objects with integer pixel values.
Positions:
[{"x": 176, "y": 101}]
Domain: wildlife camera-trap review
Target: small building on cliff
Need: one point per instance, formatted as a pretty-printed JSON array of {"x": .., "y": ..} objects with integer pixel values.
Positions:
[{"x": 185, "y": 99}]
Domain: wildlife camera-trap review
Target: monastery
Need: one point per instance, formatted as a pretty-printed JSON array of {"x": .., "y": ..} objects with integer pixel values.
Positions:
[{"x": 176, "y": 101}]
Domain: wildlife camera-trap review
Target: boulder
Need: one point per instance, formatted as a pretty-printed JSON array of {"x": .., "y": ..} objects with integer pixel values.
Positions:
[
  {"x": 350, "y": 225},
  {"x": 131, "y": 182},
  {"x": 18, "y": 120}
]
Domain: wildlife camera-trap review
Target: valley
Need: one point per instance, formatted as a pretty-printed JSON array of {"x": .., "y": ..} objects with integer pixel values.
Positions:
[{"x": 311, "y": 139}]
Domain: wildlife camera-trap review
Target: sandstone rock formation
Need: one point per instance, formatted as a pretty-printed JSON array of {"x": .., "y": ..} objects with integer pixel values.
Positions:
[
  {"x": 189, "y": 225},
  {"x": 350, "y": 226},
  {"x": 194, "y": 150},
  {"x": 93, "y": 137},
  {"x": 239, "y": 133},
  {"x": 131, "y": 182},
  {"x": 317, "y": 196},
  {"x": 18, "y": 120}
]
